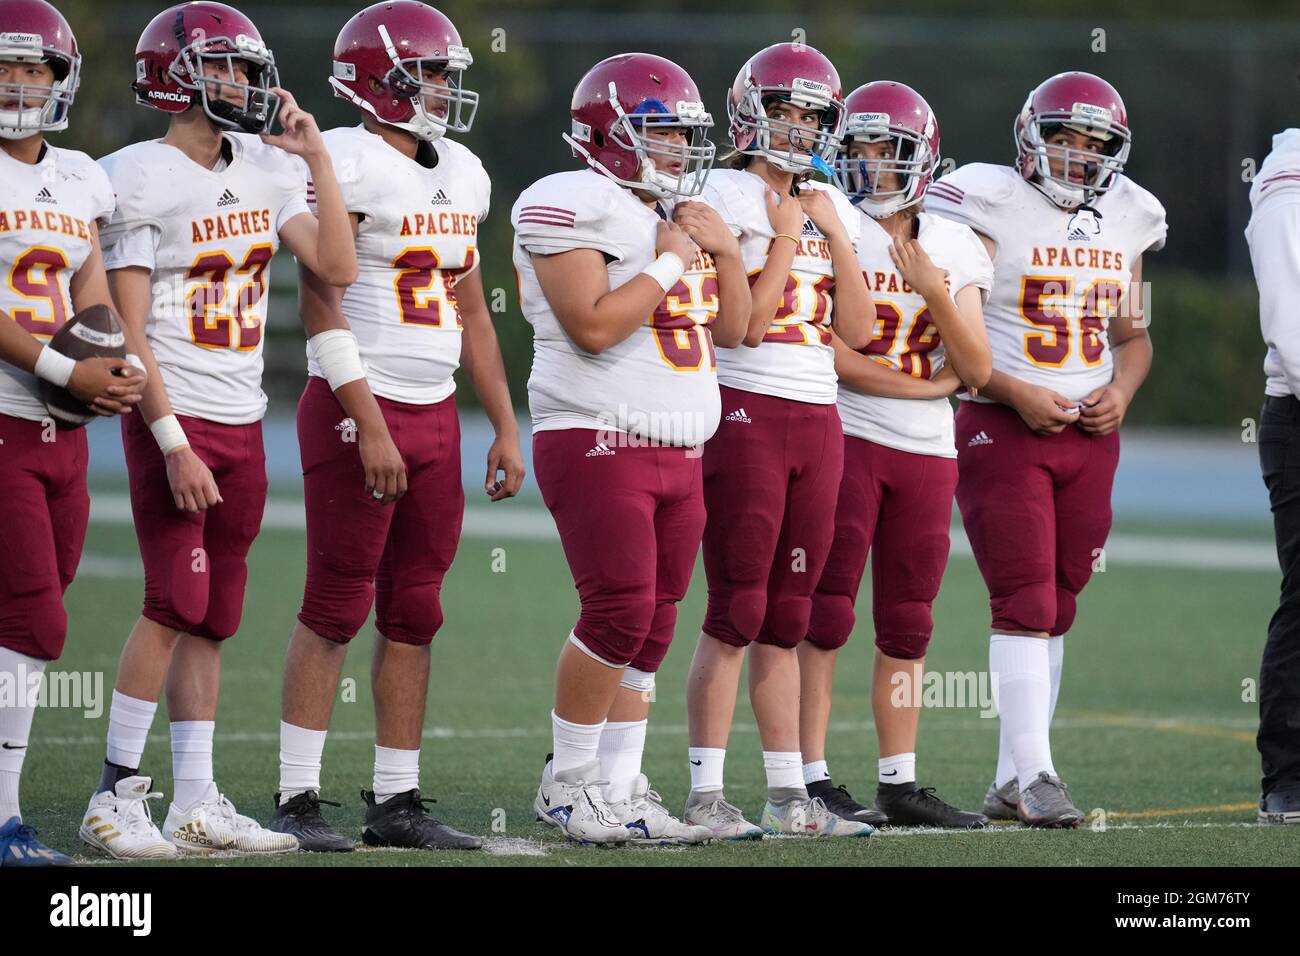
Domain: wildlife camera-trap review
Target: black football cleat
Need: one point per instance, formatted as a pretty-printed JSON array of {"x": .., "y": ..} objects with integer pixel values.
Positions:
[
  {"x": 402, "y": 821},
  {"x": 840, "y": 802},
  {"x": 906, "y": 805},
  {"x": 300, "y": 816}
]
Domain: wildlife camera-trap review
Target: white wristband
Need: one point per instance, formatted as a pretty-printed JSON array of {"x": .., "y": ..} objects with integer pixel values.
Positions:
[
  {"x": 666, "y": 270},
  {"x": 54, "y": 367},
  {"x": 169, "y": 435},
  {"x": 133, "y": 359},
  {"x": 336, "y": 352}
]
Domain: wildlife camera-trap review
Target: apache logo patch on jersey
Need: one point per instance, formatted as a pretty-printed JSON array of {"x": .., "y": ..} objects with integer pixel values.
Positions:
[{"x": 1083, "y": 225}]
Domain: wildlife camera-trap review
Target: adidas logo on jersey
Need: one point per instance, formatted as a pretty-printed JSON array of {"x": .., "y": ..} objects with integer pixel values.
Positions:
[
  {"x": 227, "y": 199},
  {"x": 810, "y": 229},
  {"x": 1083, "y": 225},
  {"x": 600, "y": 450},
  {"x": 45, "y": 196},
  {"x": 739, "y": 416},
  {"x": 980, "y": 439},
  {"x": 441, "y": 199}
]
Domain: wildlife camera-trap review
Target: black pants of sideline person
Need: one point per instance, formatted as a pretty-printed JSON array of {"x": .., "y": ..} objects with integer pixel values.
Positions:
[{"x": 1279, "y": 671}]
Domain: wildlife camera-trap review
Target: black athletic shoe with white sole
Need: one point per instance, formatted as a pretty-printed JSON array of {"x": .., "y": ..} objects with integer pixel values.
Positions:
[
  {"x": 840, "y": 802},
  {"x": 1280, "y": 806},
  {"x": 402, "y": 821},
  {"x": 300, "y": 817},
  {"x": 906, "y": 805}
]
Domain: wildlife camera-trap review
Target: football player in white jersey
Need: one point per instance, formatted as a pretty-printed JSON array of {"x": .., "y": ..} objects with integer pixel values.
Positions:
[
  {"x": 900, "y": 464},
  {"x": 377, "y": 423},
  {"x": 772, "y": 471},
  {"x": 50, "y": 199},
  {"x": 200, "y": 213},
  {"x": 627, "y": 280},
  {"x": 1038, "y": 446}
]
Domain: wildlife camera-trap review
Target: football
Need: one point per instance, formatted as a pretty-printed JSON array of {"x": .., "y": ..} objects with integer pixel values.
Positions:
[{"x": 91, "y": 333}]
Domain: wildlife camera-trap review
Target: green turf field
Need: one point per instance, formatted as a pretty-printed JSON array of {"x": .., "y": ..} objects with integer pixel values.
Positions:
[{"x": 1151, "y": 727}]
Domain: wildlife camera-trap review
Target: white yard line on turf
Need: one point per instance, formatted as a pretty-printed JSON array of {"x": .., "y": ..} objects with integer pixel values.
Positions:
[{"x": 514, "y": 521}]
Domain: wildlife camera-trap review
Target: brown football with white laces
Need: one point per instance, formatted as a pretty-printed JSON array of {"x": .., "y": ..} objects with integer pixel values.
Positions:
[{"x": 91, "y": 333}]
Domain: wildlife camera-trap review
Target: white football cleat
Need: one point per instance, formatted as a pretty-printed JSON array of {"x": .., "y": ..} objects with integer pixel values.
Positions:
[
  {"x": 213, "y": 825},
  {"x": 722, "y": 819},
  {"x": 118, "y": 823},
  {"x": 577, "y": 807},
  {"x": 650, "y": 823},
  {"x": 799, "y": 817}
]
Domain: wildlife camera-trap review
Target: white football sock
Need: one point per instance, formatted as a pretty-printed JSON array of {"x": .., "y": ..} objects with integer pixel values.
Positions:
[
  {"x": 706, "y": 767},
  {"x": 783, "y": 768},
  {"x": 1006, "y": 764},
  {"x": 1055, "y": 661},
  {"x": 17, "y": 671},
  {"x": 192, "y": 762},
  {"x": 815, "y": 771},
  {"x": 900, "y": 768},
  {"x": 1024, "y": 691},
  {"x": 129, "y": 720},
  {"x": 573, "y": 745},
  {"x": 621, "y": 745},
  {"x": 300, "y": 759},
  {"x": 396, "y": 771}
]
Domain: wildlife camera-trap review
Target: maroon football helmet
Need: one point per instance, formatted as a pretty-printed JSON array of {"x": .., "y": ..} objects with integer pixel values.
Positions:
[
  {"x": 176, "y": 44},
  {"x": 1086, "y": 104},
  {"x": 32, "y": 31},
  {"x": 885, "y": 111},
  {"x": 382, "y": 60},
  {"x": 616, "y": 103},
  {"x": 794, "y": 73}
]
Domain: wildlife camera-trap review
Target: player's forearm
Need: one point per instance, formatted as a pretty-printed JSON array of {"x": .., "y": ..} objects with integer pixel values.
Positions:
[
  {"x": 964, "y": 348},
  {"x": 482, "y": 358},
  {"x": 336, "y": 252},
  {"x": 768, "y": 290},
  {"x": 865, "y": 375},
  {"x": 1003, "y": 388},
  {"x": 17, "y": 347},
  {"x": 1132, "y": 362},
  {"x": 132, "y": 298},
  {"x": 614, "y": 316},
  {"x": 734, "y": 301},
  {"x": 855, "y": 312}
]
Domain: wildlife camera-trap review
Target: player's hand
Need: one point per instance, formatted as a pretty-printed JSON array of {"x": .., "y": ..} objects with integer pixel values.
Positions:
[
  {"x": 702, "y": 223},
  {"x": 817, "y": 206},
  {"x": 1045, "y": 411},
  {"x": 784, "y": 213},
  {"x": 110, "y": 386},
  {"x": 193, "y": 487},
  {"x": 1103, "y": 410},
  {"x": 385, "y": 470},
  {"x": 301, "y": 135},
  {"x": 504, "y": 457},
  {"x": 670, "y": 237},
  {"x": 918, "y": 269}
]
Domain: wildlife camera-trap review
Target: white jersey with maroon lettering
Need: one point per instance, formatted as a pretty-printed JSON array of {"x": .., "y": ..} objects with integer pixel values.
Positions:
[
  {"x": 906, "y": 340},
  {"x": 1059, "y": 275},
  {"x": 795, "y": 360},
  {"x": 418, "y": 236},
  {"x": 658, "y": 385},
  {"x": 208, "y": 237},
  {"x": 47, "y": 212}
]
